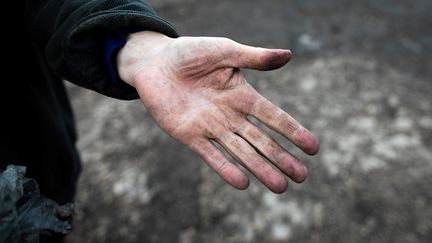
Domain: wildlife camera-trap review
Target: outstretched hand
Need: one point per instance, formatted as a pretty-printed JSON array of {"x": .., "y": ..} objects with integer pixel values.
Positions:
[{"x": 195, "y": 91}]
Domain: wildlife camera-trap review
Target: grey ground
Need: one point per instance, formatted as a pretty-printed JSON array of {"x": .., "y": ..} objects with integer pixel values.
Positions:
[{"x": 360, "y": 80}]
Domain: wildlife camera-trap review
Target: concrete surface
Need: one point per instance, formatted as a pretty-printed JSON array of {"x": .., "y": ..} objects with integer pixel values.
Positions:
[{"x": 360, "y": 80}]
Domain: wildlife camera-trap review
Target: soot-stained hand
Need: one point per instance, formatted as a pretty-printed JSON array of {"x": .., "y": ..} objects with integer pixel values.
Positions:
[{"x": 195, "y": 91}]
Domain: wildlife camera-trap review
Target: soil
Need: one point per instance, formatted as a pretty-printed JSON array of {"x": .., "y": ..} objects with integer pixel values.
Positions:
[{"x": 360, "y": 79}]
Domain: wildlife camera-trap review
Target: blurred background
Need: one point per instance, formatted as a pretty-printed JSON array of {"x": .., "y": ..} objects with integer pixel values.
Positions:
[{"x": 360, "y": 79}]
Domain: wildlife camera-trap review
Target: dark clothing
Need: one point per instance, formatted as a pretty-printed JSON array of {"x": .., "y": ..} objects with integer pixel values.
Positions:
[{"x": 59, "y": 39}]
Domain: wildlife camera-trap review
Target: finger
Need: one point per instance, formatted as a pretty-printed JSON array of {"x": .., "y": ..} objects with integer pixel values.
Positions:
[
  {"x": 225, "y": 169},
  {"x": 243, "y": 56},
  {"x": 281, "y": 122},
  {"x": 251, "y": 160},
  {"x": 270, "y": 149}
]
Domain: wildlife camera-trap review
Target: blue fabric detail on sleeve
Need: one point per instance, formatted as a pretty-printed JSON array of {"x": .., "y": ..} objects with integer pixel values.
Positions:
[{"x": 113, "y": 44}]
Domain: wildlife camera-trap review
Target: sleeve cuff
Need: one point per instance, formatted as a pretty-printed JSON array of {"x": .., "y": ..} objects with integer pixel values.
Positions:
[
  {"x": 113, "y": 44},
  {"x": 83, "y": 60}
]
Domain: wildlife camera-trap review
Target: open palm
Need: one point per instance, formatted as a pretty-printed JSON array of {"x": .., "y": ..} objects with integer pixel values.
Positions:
[{"x": 195, "y": 91}]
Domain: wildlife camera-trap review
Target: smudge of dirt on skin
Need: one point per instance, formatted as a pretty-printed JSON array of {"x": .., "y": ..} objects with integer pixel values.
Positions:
[{"x": 275, "y": 59}]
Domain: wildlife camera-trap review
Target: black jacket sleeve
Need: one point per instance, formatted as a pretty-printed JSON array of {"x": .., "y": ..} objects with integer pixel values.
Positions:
[{"x": 72, "y": 34}]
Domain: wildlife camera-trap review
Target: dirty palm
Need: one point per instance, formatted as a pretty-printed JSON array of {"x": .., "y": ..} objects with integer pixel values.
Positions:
[{"x": 195, "y": 91}]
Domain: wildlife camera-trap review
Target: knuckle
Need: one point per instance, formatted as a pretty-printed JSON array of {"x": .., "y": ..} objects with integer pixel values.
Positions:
[
  {"x": 242, "y": 127},
  {"x": 235, "y": 143},
  {"x": 226, "y": 41},
  {"x": 222, "y": 167},
  {"x": 288, "y": 125},
  {"x": 274, "y": 151}
]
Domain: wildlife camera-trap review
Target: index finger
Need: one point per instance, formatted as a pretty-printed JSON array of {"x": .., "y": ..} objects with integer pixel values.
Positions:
[{"x": 281, "y": 122}]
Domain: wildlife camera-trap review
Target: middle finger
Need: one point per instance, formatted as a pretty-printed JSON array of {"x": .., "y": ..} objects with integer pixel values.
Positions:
[
  {"x": 274, "y": 152},
  {"x": 251, "y": 160}
]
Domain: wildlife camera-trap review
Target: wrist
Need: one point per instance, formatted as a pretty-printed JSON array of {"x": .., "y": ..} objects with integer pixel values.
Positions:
[{"x": 141, "y": 51}]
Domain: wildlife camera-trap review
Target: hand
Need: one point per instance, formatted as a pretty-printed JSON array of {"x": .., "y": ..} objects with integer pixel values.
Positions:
[{"x": 195, "y": 91}]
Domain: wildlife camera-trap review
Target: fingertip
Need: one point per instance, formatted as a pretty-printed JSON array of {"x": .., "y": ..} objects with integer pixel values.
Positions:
[
  {"x": 240, "y": 182},
  {"x": 288, "y": 53},
  {"x": 315, "y": 149},
  {"x": 313, "y": 146},
  {"x": 278, "y": 184},
  {"x": 274, "y": 59},
  {"x": 301, "y": 174},
  {"x": 309, "y": 143},
  {"x": 236, "y": 178}
]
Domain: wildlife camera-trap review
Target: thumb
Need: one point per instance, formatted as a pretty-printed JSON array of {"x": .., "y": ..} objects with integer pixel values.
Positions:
[{"x": 243, "y": 56}]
